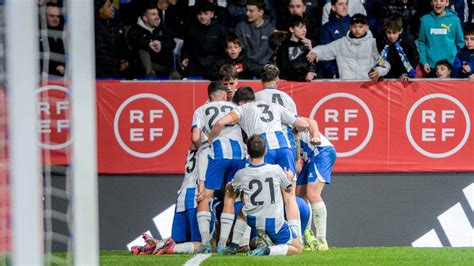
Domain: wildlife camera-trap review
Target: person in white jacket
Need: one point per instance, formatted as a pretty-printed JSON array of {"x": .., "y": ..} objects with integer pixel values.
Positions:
[{"x": 356, "y": 54}]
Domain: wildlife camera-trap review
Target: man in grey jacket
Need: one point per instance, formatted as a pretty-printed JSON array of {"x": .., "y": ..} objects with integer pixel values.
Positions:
[{"x": 255, "y": 31}]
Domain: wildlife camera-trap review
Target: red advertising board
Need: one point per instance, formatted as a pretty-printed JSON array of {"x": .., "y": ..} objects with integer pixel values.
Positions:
[{"x": 389, "y": 126}]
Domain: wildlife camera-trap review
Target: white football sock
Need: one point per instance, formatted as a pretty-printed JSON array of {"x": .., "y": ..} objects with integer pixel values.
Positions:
[
  {"x": 278, "y": 250},
  {"x": 239, "y": 230},
  {"x": 184, "y": 248},
  {"x": 204, "y": 224},
  {"x": 320, "y": 217},
  {"x": 227, "y": 220},
  {"x": 245, "y": 237}
]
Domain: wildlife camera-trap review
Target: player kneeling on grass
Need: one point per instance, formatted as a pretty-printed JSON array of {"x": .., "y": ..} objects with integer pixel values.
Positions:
[{"x": 261, "y": 185}]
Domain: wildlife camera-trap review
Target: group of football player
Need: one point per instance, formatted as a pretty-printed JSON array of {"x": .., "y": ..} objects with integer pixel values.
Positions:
[{"x": 253, "y": 176}]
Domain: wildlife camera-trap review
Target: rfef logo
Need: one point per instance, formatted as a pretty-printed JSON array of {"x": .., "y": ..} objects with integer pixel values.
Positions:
[
  {"x": 139, "y": 125},
  {"x": 438, "y": 125},
  {"x": 53, "y": 109},
  {"x": 345, "y": 120}
]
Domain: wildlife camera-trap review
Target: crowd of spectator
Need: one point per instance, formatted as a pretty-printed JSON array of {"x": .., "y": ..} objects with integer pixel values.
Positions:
[{"x": 306, "y": 39}]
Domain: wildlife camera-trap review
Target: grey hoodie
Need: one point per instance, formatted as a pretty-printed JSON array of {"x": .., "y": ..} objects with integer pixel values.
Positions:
[{"x": 255, "y": 40}]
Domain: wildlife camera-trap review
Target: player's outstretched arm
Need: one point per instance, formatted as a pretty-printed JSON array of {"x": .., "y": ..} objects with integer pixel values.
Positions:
[
  {"x": 219, "y": 125},
  {"x": 313, "y": 129},
  {"x": 301, "y": 124}
]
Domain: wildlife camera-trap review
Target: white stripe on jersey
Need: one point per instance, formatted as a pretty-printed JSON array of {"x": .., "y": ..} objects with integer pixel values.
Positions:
[
  {"x": 229, "y": 144},
  {"x": 307, "y": 149},
  {"x": 189, "y": 183},
  {"x": 261, "y": 186},
  {"x": 265, "y": 119}
]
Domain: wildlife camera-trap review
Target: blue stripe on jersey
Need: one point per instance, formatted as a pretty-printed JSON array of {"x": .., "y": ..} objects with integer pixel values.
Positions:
[
  {"x": 217, "y": 148},
  {"x": 281, "y": 139},
  {"x": 291, "y": 138},
  {"x": 306, "y": 149},
  {"x": 194, "y": 126},
  {"x": 270, "y": 225},
  {"x": 236, "y": 151},
  {"x": 252, "y": 221},
  {"x": 189, "y": 198}
]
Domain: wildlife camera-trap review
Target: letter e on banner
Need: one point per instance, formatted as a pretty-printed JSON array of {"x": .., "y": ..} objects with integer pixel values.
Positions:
[
  {"x": 54, "y": 106},
  {"x": 345, "y": 120},
  {"x": 437, "y": 125},
  {"x": 146, "y": 125}
]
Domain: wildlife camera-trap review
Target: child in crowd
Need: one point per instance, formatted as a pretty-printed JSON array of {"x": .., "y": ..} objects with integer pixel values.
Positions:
[
  {"x": 356, "y": 54},
  {"x": 464, "y": 63},
  {"x": 247, "y": 68},
  {"x": 399, "y": 48},
  {"x": 440, "y": 36},
  {"x": 443, "y": 69},
  {"x": 291, "y": 56},
  {"x": 336, "y": 28}
]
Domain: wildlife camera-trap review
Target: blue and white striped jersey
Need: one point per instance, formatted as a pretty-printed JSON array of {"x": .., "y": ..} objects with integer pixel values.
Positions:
[
  {"x": 272, "y": 95},
  {"x": 187, "y": 193},
  {"x": 229, "y": 144},
  {"x": 261, "y": 186},
  {"x": 265, "y": 119},
  {"x": 308, "y": 150}
]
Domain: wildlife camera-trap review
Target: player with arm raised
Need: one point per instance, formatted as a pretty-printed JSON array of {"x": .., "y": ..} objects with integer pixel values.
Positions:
[
  {"x": 228, "y": 156},
  {"x": 318, "y": 163},
  {"x": 257, "y": 117},
  {"x": 261, "y": 185}
]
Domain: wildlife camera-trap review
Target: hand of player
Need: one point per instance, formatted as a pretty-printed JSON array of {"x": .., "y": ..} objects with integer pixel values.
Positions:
[
  {"x": 374, "y": 74},
  {"x": 427, "y": 68},
  {"x": 315, "y": 141},
  {"x": 200, "y": 194},
  {"x": 310, "y": 76},
  {"x": 299, "y": 165},
  {"x": 289, "y": 174},
  {"x": 311, "y": 57}
]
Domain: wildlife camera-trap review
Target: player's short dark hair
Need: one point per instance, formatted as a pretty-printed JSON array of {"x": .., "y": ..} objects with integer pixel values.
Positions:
[
  {"x": 256, "y": 146},
  {"x": 469, "y": 31},
  {"x": 260, "y": 4},
  {"x": 296, "y": 20},
  {"x": 232, "y": 38},
  {"x": 269, "y": 72},
  {"x": 243, "y": 94},
  {"x": 215, "y": 86},
  {"x": 227, "y": 72},
  {"x": 359, "y": 19},
  {"x": 445, "y": 63},
  {"x": 394, "y": 23}
]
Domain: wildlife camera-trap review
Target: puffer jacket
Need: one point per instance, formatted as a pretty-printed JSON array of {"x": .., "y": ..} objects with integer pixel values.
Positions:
[{"x": 355, "y": 57}]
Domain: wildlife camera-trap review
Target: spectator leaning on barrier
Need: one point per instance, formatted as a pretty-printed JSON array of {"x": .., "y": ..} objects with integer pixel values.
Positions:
[
  {"x": 440, "y": 36},
  {"x": 52, "y": 47},
  {"x": 111, "y": 50},
  {"x": 254, "y": 32},
  {"x": 443, "y": 69},
  {"x": 398, "y": 47},
  {"x": 356, "y": 54},
  {"x": 152, "y": 44},
  {"x": 203, "y": 42}
]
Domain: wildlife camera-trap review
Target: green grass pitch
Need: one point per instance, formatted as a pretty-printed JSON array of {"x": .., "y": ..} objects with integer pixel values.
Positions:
[{"x": 334, "y": 256}]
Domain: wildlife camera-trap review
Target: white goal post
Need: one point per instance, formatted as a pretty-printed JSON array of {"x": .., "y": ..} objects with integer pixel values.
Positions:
[{"x": 22, "y": 52}]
